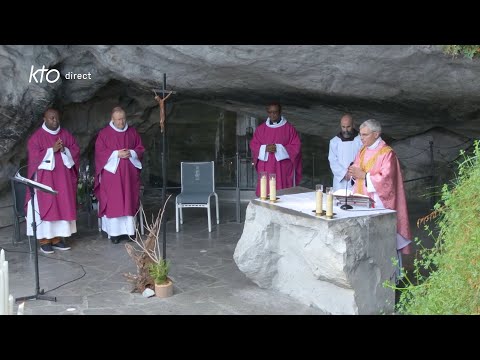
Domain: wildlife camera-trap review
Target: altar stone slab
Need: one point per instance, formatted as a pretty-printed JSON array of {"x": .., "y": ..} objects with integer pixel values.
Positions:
[{"x": 337, "y": 265}]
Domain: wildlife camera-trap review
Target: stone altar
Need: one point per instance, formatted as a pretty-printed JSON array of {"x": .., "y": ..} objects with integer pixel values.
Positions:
[{"x": 338, "y": 265}]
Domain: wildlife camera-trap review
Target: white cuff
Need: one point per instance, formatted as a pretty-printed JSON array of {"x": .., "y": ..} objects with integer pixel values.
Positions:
[
  {"x": 48, "y": 162},
  {"x": 112, "y": 163},
  {"x": 263, "y": 154},
  {"x": 134, "y": 159},
  {"x": 281, "y": 153},
  {"x": 370, "y": 187},
  {"x": 67, "y": 158}
]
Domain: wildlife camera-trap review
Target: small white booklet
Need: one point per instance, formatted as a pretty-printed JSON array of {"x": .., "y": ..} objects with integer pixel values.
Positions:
[
  {"x": 37, "y": 184},
  {"x": 341, "y": 192}
]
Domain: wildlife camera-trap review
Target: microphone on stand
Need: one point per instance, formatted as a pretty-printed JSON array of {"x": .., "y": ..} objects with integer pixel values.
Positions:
[
  {"x": 346, "y": 206},
  {"x": 35, "y": 172},
  {"x": 24, "y": 166}
]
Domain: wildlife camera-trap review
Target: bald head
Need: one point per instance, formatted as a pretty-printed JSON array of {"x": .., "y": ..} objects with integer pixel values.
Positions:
[
  {"x": 118, "y": 118},
  {"x": 346, "y": 124}
]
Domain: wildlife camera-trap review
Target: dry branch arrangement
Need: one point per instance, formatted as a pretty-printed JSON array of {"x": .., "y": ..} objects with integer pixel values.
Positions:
[{"x": 145, "y": 252}]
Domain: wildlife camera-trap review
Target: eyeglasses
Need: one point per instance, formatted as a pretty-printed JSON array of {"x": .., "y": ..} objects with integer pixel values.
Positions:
[{"x": 273, "y": 112}]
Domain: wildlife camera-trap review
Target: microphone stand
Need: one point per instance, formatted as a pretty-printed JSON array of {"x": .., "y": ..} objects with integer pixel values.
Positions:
[
  {"x": 346, "y": 206},
  {"x": 39, "y": 294}
]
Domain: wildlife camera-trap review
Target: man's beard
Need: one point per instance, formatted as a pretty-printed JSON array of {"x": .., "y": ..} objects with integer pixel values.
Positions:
[{"x": 347, "y": 134}]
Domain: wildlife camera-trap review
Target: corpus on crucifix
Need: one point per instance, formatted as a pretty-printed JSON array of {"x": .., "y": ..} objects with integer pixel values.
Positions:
[{"x": 161, "y": 102}]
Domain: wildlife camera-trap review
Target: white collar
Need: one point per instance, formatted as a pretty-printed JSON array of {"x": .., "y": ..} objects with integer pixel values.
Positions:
[
  {"x": 282, "y": 122},
  {"x": 375, "y": 144},
  {"x": 53, "y": 132},
  {"x": 114, "y": 128}
]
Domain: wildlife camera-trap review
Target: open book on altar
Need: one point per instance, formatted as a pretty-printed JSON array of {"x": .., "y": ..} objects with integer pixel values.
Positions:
[
  {"x": 353, "y": 198},
  {"x": 35, "y": 184}
]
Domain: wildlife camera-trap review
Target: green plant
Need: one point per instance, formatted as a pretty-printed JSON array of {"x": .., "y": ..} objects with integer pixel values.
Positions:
[
  {"x": 81, "y": 193},
  {"x": 446, "y": 278},
  {"x": 468, "y": 51},
  {"x": 159, "y": 271},
  {"x": 85, "y": 186},
  {"x": 152, "y": 268}
]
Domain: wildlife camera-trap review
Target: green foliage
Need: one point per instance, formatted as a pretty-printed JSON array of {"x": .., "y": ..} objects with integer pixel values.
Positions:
[
  {"x": 446, "y": 278},
  {"x": 468, "y": 51},
  {"x": 81, "y": 193},
  {"x": 159, "y": 271},
  {"x": 85, "y": 186}
]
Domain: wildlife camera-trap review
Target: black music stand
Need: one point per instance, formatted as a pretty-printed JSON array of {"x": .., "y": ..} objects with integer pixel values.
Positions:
[{"x": 32, "y": 185}]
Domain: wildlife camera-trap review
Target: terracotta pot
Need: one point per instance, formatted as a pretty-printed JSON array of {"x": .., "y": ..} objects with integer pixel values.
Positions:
[{"x": 164, "y": 290}]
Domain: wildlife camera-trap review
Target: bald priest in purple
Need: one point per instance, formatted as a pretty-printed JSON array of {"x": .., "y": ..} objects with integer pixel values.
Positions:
[
  {"x": 118, "y": 163},
  {"x": 53, "y": 159}
]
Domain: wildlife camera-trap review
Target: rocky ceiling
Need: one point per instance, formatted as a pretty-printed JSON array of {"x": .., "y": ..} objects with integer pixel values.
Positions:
[{"x": 410, "y": 89}]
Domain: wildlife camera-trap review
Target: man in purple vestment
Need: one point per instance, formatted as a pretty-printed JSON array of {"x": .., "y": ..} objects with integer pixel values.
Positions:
[
  {"x": 53, "y": 159},
  {"x": 276, "y": 148},
  {"x": 118, "y": 155}
]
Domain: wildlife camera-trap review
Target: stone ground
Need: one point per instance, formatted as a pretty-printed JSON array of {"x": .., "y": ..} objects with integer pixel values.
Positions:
[{"x": 89, "y": 279}]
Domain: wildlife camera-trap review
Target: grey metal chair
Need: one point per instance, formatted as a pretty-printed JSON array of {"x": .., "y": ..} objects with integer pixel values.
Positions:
[
  {"x": 18, "y": 197},
  {"x": 198, "y": 186}
]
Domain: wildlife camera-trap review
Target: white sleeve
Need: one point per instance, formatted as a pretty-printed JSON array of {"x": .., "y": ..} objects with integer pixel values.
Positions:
[
  {"x": 50, "y": 157},
  {"x": 337, "y": 168},
  {"x": 134, "y": 159},
  {"x": 376, "y": 198},
  {"x": 112, "y": 163},
  {"x": 370, "y": 187},
  {"x": 262, "y": 153},
  {"x": 67, "y": 158},
  {"x": 281, "y": 153}
]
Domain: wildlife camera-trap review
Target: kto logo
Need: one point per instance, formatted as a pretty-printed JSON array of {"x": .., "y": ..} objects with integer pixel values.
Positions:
[{"x": 50, "y": 75}]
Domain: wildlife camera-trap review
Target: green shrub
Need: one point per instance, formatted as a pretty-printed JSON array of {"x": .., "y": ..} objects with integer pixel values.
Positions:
[
  {"x": 159, "y": 271},
  {"x": 468, "y": 51},
  {"x": 453, "y": 283}
]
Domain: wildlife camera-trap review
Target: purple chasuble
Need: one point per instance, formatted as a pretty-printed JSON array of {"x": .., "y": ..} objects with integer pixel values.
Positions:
[
  {"x": 287, "y": 136},
  {"x": 62, "y": 179},
  {"x": 118, "y": 194}
]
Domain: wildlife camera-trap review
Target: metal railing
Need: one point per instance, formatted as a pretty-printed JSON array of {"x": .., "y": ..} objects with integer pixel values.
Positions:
[{"x": 243, "y": 178}]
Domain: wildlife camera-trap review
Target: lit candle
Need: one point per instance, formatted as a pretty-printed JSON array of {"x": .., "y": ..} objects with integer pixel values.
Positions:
[
  {"x": 10, "y": 305},
  {"x": 3, "y": 296},
  {"x": 2, "y": 293},
  {"x": 21, "y": 307},
  {"x": 329, "y": 211},
  {"x": 319, "y": 199},
  {"x": 5, "y": 286},
  {"x": 263, "y": 185},
  {"x": 273, "y": 187}
]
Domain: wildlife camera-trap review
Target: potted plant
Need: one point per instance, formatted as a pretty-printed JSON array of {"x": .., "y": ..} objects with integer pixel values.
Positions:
[
  {"x": 152, "y": 269},
  {"x": 159, "y": 272}
]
